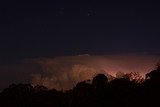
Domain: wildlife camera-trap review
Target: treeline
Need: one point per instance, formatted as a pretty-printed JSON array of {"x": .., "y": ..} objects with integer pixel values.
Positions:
[{"x": 124, "y": 91}]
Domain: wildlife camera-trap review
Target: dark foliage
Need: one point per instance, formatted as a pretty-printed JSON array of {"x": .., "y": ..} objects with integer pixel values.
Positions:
[{"x": 120, "y": 92}]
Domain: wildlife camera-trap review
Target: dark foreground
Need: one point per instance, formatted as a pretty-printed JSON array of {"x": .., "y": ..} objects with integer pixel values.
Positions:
[{"x": 120, "y": 92}]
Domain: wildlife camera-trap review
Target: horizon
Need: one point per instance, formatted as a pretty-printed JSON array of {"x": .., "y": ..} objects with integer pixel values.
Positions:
[{"x": 65, "y": 71}]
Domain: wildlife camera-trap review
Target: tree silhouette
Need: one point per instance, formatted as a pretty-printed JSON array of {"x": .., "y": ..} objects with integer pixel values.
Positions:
[
  {"x": 154, "y": 75},
  {"x": 99, "y": 81},
  {"x": 134, "y": 76},
  {"x": 40, "y": 89},
  {"x": 151, "y": 87},
  {"x": 120, "y": 92}
]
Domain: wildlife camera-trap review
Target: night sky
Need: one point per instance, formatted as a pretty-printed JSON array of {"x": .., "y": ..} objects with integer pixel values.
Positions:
[
  {"x": 31, "y": 29},
  {"x": 59, "y": 40}
]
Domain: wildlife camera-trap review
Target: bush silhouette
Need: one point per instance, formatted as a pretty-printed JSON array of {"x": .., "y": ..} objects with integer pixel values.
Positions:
[
  {"x": 99, "y": 81},
  {"x": 120, "y": 92}
]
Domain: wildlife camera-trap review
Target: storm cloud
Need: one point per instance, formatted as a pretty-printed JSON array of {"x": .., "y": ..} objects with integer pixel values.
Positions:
[{"x": 65, "y": 71}]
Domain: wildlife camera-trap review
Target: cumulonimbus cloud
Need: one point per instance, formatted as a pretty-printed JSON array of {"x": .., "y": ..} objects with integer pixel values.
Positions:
[{"x": 65, "y": 71}]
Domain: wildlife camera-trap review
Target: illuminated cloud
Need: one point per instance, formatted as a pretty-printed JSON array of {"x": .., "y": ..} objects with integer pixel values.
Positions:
[{"x": 64, "y": 72}]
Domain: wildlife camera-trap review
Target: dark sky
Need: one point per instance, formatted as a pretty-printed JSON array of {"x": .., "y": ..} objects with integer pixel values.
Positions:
[{"x": 31, "y": 29}]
